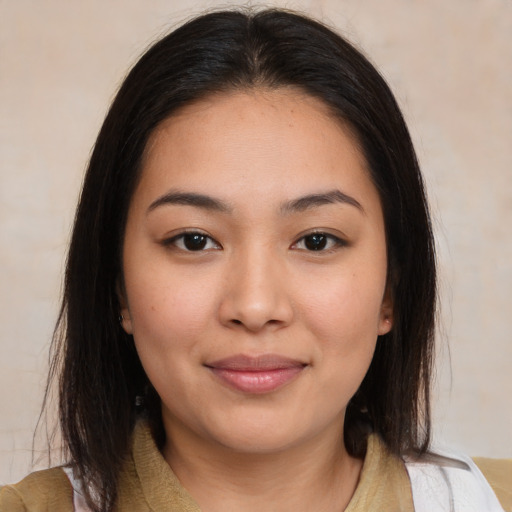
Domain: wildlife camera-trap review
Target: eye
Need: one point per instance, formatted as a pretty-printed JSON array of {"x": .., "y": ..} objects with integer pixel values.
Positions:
[
  {"x": 192, "y": 241},
  {"x": 318, "y": 242}
]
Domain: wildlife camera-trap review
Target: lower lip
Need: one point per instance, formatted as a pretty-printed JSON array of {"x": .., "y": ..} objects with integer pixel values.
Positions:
[{"x": 257, "y": 382}]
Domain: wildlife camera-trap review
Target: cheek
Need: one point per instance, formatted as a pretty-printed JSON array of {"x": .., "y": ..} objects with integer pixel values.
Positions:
[
  {"x": 343, "y": 316},
  {"x": 167, "y": 312},
  {"x": 345, "y": 307},
  {"x": 169, "y": 319}
]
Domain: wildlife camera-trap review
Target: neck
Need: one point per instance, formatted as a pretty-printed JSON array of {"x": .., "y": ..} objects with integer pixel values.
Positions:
[{"x": 317, "y": 475}]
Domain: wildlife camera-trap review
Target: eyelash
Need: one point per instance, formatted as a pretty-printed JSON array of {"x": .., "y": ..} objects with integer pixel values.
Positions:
[
  {"x": 179, "y": 239},
  {"x": 334, "y": 242},
  {"x": 331, "y": 242}
]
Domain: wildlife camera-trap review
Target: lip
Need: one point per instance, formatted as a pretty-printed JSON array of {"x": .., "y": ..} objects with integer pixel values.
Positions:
[{"x": 256, "y": 375}]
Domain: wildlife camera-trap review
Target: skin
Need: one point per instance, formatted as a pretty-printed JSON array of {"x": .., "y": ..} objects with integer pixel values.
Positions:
[{"x": 256, "y": 288}]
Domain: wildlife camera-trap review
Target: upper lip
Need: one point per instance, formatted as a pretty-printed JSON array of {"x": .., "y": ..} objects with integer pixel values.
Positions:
[{"x": 241, "y": 362}]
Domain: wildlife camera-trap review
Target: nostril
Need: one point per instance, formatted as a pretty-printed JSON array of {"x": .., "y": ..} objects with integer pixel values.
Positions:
[{"x": 238, "y": 322}]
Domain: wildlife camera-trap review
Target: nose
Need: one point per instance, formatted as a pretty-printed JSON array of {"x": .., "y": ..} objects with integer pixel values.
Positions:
[{"x": 256, "y": 294}]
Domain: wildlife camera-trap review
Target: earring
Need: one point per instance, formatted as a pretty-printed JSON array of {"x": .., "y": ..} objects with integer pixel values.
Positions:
[{"x": 121, "y": 318}]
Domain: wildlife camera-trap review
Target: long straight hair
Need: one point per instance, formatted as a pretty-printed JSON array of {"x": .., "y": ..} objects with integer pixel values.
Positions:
[{"x": 95, "y": 362}]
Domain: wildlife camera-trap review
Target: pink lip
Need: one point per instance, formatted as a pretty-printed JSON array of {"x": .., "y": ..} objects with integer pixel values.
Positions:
[{"x": 256, "y": 375}]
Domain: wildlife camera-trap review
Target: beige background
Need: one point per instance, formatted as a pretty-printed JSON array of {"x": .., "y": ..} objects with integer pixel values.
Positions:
[{"x": 450, "y": 65}]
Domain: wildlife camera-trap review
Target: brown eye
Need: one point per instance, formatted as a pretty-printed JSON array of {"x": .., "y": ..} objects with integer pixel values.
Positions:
[
  {"x": 315, "y": 242},
  {"x": 318, "y": 242},
  {"x": 192, "y": 242}
]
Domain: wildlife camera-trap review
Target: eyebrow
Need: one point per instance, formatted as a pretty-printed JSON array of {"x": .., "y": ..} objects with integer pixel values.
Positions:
[
  {"x": 191, "y": 199},
  {"x": 314, "y": 200},
  {"x": 295, "y": 205}
]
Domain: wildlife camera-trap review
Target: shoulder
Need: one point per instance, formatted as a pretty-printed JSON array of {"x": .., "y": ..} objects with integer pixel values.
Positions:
[
  {"x": 42, "y": 491},
  {"x": 450, "y": 483},
  {"x": 498, "y": 473}
]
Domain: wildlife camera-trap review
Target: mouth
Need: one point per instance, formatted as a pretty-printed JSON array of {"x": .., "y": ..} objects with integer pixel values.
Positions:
[{"x": 256, "y": 375}]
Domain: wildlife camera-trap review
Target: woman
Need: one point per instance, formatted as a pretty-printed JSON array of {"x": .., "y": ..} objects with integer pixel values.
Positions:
[{"x": 250, "y": 292}]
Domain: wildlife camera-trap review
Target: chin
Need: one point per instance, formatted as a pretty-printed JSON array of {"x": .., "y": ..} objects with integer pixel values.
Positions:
[
  {"x": 261, "y": 436},
  {"x": 257, "y": 444}
]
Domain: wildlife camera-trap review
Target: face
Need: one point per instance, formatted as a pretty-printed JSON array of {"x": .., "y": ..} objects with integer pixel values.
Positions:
[{"x": 255, "y": 270}]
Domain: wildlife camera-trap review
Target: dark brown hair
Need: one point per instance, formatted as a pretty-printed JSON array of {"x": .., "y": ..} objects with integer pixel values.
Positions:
[{"x": 99, "y": 372}]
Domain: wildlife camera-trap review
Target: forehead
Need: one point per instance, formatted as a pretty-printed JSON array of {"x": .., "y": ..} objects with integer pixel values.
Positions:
[
  {"x": 268, "y": 141},
  {"x": 262, "y": 111}
]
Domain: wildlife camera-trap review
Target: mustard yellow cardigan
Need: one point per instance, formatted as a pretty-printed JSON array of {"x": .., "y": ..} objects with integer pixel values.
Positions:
[{"x": 147, "y": 484}]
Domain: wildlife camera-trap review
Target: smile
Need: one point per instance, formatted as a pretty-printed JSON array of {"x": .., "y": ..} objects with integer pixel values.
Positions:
[{"x": 256, "y": 375}]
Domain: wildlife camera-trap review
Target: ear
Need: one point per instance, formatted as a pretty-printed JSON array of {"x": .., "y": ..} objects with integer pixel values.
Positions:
[
  {"x": 124, "y": 311},
  {"x": 386, "y": 313}
]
